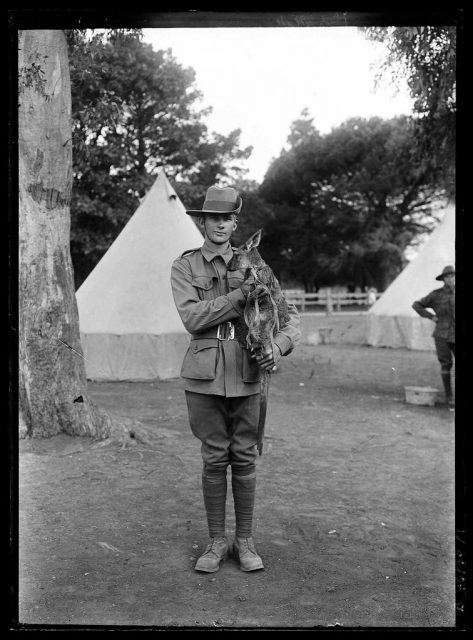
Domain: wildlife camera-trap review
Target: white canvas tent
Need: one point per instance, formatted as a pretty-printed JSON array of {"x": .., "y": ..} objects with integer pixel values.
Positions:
[
  {"x": 129, "y": 326},
  {"x": 391, "y": 321}
]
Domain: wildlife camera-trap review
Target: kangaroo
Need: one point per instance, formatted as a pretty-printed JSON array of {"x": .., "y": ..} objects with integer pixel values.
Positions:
[{"x": 265, "y": 312}]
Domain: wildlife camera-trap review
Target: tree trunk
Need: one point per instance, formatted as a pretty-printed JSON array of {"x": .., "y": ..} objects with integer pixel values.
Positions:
[{"x": 53, "y": 394}]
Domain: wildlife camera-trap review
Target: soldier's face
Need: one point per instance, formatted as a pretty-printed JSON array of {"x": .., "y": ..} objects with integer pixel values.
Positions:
[
  {"x": 219, "y": 228},
  {"x": 450, "y": 280}
]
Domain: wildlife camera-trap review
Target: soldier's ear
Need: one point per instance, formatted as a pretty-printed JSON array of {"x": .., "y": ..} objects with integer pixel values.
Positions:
[
  {"x": 254, "y": 241},
  {"x": 235, "y": 223}
]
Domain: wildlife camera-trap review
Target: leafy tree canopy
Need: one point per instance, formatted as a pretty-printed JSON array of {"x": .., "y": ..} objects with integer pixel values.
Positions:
[
  {"x": 135, "y": 110},
  {"x": 426, "y": 57},
  {"x": 347, "y": 204}
]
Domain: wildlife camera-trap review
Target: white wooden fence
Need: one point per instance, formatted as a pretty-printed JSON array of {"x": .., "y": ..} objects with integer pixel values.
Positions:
[{"x": 329, "y": 300}]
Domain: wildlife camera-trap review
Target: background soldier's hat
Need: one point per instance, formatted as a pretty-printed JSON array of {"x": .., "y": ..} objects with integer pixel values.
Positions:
[
  {"x": 219, "y": 200},
  {"x": 448, "y": 271}
]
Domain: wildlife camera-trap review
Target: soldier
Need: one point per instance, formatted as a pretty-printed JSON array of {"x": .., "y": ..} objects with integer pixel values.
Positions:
[
  {"x": 221, "y": 378},
  {"x": 442, "y": 302}
]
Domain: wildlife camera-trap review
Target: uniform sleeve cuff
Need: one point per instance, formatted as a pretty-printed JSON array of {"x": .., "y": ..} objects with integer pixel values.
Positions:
[
  {"x": 283, "y": 342},
  {"x": 237, "y": 298}
]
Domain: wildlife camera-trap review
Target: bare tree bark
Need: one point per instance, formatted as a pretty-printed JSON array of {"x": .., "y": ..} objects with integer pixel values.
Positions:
[{"x": 53, "y": 395}]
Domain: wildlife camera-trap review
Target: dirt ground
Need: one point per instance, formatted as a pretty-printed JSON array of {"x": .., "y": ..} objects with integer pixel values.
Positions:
[{"x": 354, "y": 516}]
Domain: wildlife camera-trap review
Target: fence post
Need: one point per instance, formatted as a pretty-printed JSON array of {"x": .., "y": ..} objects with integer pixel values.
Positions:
[
  {"x": 303, "y": 303},
  {"x": 329, "y": 302}
]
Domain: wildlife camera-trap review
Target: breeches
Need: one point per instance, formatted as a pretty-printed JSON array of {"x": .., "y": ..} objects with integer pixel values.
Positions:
[
  {"x": 445, "y": 352},
  {"x": 226, "y": 427}
]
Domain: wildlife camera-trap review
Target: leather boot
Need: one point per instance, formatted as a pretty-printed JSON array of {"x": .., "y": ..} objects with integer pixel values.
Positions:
[
  {"x": 214, "y": 553},
  {"x": 244, "y": 551}
]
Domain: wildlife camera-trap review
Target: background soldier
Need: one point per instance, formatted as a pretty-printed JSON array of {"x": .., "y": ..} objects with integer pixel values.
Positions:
[{"x": 442, "y": 302}]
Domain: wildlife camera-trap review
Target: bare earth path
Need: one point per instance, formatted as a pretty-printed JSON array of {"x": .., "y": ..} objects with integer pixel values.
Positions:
[{"x": 354, "y": 514}]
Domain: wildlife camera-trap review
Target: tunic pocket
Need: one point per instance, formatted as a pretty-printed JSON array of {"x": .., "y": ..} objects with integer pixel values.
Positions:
[
  {"x": 235, "y": 279},
  {"x": 204, "y": 285},
  {"x": 200, "y": 361},
  {"x": 251, "y": 372}
]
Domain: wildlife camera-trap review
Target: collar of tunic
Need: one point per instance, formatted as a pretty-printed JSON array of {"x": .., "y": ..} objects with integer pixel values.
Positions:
[{"x": 210, "y": 253}]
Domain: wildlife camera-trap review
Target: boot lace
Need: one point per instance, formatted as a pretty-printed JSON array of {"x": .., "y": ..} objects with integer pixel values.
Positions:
[
  {"x": 212, "y": 546},
  {"x": 246, "y": 545}
]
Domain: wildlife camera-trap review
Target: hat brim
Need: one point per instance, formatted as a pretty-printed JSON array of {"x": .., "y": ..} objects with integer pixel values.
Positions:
[
  {"x": 442, "y": 276},
  {"x": 202, "y": 212}
]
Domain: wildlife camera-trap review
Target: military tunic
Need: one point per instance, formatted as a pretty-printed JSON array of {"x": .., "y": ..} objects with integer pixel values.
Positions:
[
  {"x": 206, "y": 295},
  {"x": 442, "y": 301}
]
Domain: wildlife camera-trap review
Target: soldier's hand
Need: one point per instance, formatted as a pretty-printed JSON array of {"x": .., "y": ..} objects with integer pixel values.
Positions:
[
  {"x": 434, "y": 319},
  {"x": 267, "y": 359}
]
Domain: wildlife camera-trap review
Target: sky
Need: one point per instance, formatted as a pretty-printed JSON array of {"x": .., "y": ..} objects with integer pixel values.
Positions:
[{"x": 260, "y": 79}]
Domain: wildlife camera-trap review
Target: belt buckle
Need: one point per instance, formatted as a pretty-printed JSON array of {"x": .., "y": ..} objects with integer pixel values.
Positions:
[{"x": 228, "y": 329}]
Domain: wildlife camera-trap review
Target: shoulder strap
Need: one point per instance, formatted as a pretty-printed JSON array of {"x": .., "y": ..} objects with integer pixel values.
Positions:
[{"x": 188, "y": 252}]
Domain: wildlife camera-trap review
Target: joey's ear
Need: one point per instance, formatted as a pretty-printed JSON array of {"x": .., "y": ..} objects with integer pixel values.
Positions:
[{"x": 254, "y": 241}]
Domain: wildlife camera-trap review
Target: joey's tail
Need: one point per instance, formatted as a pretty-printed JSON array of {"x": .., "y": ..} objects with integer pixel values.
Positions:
[{"x": 264, "y": 388}]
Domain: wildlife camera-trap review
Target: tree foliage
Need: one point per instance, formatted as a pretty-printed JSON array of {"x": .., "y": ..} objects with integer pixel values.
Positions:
[
  {"x": 347, "y": 204},
  {"x": 425, "y": 56},
  {"x": 134, "y": 111}
]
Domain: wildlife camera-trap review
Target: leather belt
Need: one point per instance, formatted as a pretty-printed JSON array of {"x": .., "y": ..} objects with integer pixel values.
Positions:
[{"x": 222, "y": 331}]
